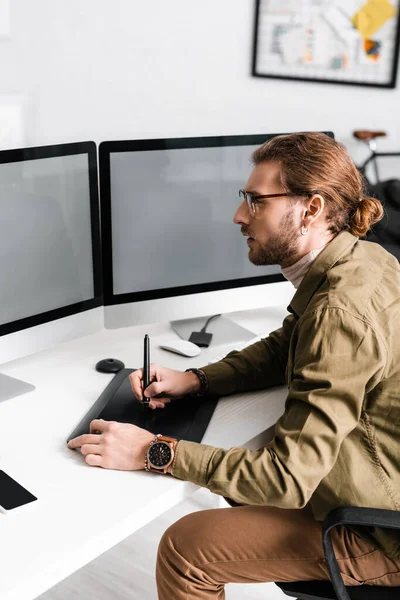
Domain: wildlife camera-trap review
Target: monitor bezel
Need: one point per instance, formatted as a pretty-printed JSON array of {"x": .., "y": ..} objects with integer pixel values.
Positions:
[
  {"x": 106, "y": 148},
  {"x": 54, "y": 151}
]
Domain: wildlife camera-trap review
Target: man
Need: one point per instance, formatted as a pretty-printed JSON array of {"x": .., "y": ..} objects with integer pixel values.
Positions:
[{"x": 339, "y": 353}]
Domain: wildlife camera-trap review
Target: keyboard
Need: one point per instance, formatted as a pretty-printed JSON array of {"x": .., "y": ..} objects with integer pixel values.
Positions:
[{"x": 239, "y": 346}]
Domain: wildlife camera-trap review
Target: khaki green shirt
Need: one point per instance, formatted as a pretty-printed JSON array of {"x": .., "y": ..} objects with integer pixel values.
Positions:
[{"x": 337, "y": 442}]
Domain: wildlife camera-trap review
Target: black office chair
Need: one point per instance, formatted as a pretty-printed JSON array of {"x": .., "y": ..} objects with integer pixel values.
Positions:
[{"x": 335, "y": 589}]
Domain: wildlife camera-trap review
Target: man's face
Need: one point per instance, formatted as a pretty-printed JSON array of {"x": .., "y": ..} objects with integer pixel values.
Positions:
[{"x": 272, "y": 234}]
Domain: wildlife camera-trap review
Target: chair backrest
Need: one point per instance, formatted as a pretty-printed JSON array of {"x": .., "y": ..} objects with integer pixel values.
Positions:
[{"x": 323, "y": 590}]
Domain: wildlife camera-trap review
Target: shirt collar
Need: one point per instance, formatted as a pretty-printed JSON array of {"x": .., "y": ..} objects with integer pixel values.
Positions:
[{"x": 330, "y": 255}]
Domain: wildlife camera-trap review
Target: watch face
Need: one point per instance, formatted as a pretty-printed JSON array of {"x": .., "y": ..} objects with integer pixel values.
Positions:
[{"x": 160, "y": 454}]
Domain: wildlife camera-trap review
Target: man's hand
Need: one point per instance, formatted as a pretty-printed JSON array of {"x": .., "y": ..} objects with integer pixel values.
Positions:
[
  {"x": 120, "y": 446},
  {"x": 167, "y": 384}
]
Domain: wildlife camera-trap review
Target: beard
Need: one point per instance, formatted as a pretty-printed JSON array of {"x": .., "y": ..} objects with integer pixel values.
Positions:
[{"x": 281, "y": 248}]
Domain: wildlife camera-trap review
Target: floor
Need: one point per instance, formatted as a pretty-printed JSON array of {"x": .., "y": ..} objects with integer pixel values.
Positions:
[{"x": 126, "y": 572}]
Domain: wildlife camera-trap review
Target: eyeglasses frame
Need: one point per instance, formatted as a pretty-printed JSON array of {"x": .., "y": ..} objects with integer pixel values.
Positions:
[{"x": 250, "y": 202}]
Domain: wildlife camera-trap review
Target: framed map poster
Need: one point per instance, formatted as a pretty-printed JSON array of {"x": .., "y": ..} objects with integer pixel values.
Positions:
[{"x": 333, "y": 41}]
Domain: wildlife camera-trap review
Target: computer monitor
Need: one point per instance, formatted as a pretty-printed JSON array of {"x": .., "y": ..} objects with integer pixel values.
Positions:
[
  {"x": 170, "y": 248},
  {"x": 50, "y": 258}
]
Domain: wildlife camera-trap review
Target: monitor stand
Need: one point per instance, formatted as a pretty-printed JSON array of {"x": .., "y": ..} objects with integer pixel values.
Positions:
[
  {"x": 10, "y": 387},
  {"x": 224, "y": 330}
]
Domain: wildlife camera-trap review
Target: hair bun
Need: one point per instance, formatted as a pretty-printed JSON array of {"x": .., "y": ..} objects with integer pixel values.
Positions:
[{"x": 368, "y": 211}]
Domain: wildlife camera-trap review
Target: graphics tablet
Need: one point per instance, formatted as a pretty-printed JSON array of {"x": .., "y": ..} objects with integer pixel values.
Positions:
[{"x": 186, "y": 418}]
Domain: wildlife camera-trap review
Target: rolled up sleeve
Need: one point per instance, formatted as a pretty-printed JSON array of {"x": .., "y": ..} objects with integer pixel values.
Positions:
[{"x": 339, "y": 358}]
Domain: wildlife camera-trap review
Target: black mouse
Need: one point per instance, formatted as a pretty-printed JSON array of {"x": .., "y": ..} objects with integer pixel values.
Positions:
[{"x": 109, "y": 365}]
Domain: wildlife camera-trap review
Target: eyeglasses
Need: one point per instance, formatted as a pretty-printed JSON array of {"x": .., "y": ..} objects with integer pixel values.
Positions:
[{"x": 253, "y": 200}]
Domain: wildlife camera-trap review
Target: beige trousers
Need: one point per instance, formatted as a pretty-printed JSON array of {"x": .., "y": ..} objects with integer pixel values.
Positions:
[{"x": 203, "y": 551}]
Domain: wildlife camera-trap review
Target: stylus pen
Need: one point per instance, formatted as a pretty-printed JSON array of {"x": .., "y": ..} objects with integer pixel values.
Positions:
[{"x": 146, "y": 368}]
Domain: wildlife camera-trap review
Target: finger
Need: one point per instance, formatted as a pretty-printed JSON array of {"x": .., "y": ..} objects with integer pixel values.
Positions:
[
  {"x": 94, "y": 460},
  {"x": 98, "y": 425},
  {"x": 159, "y": 403},
  {"x": 154, "y": 375},
  {"x": 90, "y": 449},
  {"x": 154, "y": 389},
  {"x": 87, "y": 438},
  {"x": 136, "y": 381},
  {"x": 153, "y": 405},
  {"x": 154, "y": 371}
]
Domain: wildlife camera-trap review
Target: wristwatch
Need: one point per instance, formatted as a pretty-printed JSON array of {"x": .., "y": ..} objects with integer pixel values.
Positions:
[{"x": 160, "y": 454}]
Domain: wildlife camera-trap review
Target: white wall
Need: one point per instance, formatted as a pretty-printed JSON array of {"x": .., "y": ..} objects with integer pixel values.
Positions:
[
  {"x": 121, "y": 69},
  {"x": 76, "y": 70}
]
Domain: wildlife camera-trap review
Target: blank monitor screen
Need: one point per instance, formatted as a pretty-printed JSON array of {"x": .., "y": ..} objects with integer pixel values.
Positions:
[
  {"x": 49, "y": 234},
  {"x": 167, "y": 217}
]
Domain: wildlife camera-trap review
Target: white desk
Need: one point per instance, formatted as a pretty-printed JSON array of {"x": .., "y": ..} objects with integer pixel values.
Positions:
[{"x": 83, "y": 511}]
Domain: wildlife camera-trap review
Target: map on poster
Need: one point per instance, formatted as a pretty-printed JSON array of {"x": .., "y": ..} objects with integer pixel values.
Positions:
[{"x": 349, "y": 41}]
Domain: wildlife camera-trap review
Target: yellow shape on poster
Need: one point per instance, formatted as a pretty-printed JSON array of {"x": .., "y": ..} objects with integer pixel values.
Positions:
[{"x": 372, "y": 16}]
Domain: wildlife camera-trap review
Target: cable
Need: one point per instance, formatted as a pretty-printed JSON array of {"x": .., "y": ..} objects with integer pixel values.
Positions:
[{"x": 203, "y": 330}]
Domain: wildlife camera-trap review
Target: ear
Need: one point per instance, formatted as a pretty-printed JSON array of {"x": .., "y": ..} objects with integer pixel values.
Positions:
[{"x": 314, "y": 208}]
